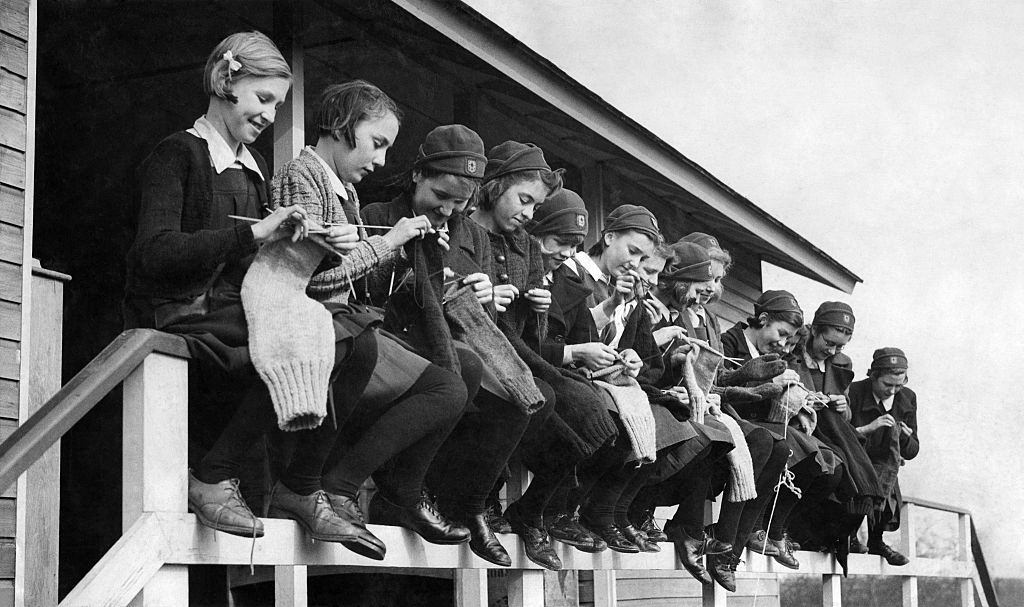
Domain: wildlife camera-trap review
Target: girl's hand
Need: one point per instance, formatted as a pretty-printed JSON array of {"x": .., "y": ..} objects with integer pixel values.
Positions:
[
  {"x": 839, "y": 403},
  {"x": 504, "y": 295},
  {"x": 905, "y": 429},
  {"x": 679, "y": 355},
  {"x": 680, "y": 394},
  {"x": 443, "y": 238},
  {"x": 482, "y": 287},
  {"x": 406, "y": 229},
  {"x": 803, "y": 421},
  {"x": 714, "y": 404},
  {"x": 624, "y": 286},
  {"x": 284, "y": 221},
  {"x": 665, "y": 335},
  {"x": 593, "y": 355},
  {"x": 632, "y": 361},
  {"x": 343, "y": 238},
  {"x": 540, "y": 299}
]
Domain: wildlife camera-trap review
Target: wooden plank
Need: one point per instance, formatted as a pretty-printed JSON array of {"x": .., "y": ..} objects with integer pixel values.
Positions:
[
  {"x": 13, "y": 91},
  {"x": 290, "y": 587},
  {"x": 8, "y": 513},
  {"x": 525, "y": 588},
  {"x": 10, "y": 359},
  {"x": 10, "y": 282},
  {"x": 12, "y": 167},
  {"x": 9, "y": 398},
  {"x": 13, "y": 131},
  {"x": 7, "y": 557},
  {"x": 13, "y": 54},
  {"x": 471, "y": 588},
  {"x": 12, "y": 205},
  {"x": 11, "y": 243},
  {"x": 14, "y": 17},
  {"x": 10, "y": 322}
]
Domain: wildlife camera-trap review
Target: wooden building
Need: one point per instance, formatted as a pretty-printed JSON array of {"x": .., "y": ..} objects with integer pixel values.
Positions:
[{"x": 88, "y": 88}]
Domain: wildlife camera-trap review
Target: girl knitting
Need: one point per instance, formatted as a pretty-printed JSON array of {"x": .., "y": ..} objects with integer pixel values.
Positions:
[
  {"x": 423, "y": 309},
  {"x": 517, "y": 180},
  {"x": 409, "y": 405},
  {"x": 185, "y": 276}
]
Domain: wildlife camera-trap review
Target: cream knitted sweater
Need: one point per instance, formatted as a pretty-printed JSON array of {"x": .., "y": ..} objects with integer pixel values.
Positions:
[{"x": 304, "y": 180}]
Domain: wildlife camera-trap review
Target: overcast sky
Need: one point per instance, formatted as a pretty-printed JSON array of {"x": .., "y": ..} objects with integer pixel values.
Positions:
[{"x": 888, "y": 134}]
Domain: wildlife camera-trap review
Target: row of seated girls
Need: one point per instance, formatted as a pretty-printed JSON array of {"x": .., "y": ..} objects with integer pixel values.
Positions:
[{"x": 428, "y": 340}]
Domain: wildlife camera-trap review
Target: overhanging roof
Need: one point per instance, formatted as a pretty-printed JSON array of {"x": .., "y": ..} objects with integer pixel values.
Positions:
[{"x": 765, "y": 235}]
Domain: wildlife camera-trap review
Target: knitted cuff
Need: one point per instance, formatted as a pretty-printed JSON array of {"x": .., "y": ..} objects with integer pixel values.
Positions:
[
  {"x": 524, "y": 392},
  {"x": 741, "y": 485},
  {"x": 640, "y": 430},
  {"x": 381, "y": 248},
  {"x": 298, "y": 390}
]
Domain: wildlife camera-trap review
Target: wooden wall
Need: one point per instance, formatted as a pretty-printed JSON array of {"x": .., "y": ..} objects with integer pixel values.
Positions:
[{"x": 14, "y": 105}]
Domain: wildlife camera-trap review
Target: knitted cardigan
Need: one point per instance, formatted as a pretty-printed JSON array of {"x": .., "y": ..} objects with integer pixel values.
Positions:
[
  {"x": 177, "y": 246},
  {"x": 304, "y": 180}
]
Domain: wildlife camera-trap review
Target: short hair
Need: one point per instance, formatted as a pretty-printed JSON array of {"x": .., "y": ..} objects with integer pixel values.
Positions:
[
  {"x": 598, "y": 247},
  {"x": 816, "y": 329},
  {"x": 790, "y": 316},
  {"x": 491, "y": 191},
  {"x": 256, "y": 56},
  {"x": 721, "y": 256},
  {"x": 876, "y": 373},
  {"x": 343, "y": 106},
  {"x": 430, "y": 173}
]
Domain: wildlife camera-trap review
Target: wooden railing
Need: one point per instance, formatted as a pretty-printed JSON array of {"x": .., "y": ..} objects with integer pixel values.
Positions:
[{"x": 149, "y": 564}]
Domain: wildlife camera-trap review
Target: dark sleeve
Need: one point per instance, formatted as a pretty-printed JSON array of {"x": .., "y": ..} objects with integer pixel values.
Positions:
[
  {"x": 536, "y": 323},
  {"x": 730, "y": 344},
  {"x": 162, "y": 250},
  {"x": 910, "y": 445},
  {"x": 552, "y": 349}
]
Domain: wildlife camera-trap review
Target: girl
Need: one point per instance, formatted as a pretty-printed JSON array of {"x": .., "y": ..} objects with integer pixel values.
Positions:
[
  {"x": 444, "y": 179},
  {"x": 516, "y": 182},
  {"x": 409, "y": 405},
  {"x": 817, "y": 469},
  {"x": 185, "y": 272}
]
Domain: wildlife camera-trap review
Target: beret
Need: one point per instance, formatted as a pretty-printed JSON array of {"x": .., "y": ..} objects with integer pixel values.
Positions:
[
  {"x": 690, "y": 262},
  {"x": 834, "y": 314},
  {"x": 513, "y": 157},
  {"x": 453, "y": 149},
  {"x": 889, "y": 358},
  {"x": 777, "y": 301},
  {"x": 563, "y": 212},
  {"x": 632, "y": 217}
]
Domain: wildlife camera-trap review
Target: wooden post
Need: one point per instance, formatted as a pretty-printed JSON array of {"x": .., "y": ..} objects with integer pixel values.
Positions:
[
  {"x": 713, "y": 595},
  {"x": 593, "y": 194},
  {"x": 155, "y": 474},
  {"x": 290, "y": 123},
  {"x": 605, "y": 592},
  {"x": 526, "y": 588},
  {"x": 964, "y": 554},
  {"x": 39, "y": 488},
  {"x": 831, "y": 590},
  {"x": 290, "y": 586},
  {"x": 471, "y": 588},
  {"x": 908, "y": 546}
]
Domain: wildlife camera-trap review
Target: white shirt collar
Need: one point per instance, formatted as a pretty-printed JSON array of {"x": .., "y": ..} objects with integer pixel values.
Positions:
[
  {"x": 336, "y": 183},
  {"x": 813, "y": 364},
  {"x": 222, "y": 157},
  {"x": 886, "y": 403},
  {"x": 587, "y": 263},
  {"x": 750, "y": 346}
]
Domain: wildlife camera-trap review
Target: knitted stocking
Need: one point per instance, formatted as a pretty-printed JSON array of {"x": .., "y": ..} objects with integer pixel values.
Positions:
[
  {"x": 741, "y": 467},
  {"x": 637, "y": 418},
  {"x": 291, "y": 337},
  {"x": 470, "y": 324}
]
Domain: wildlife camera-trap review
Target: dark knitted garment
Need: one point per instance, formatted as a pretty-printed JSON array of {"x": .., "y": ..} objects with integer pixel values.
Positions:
[
  {"x": 182, "y": 236},
  {"x": 518, "y": 261}
]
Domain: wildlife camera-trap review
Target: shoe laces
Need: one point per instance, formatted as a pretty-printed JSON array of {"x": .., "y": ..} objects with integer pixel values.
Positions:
[{"x": 235, "y": 501}]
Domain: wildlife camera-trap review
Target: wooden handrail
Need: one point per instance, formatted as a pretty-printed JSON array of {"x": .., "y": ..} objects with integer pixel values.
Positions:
[
  {"x": 934, "y": 505},
  {"x": 109, "y": 368}
]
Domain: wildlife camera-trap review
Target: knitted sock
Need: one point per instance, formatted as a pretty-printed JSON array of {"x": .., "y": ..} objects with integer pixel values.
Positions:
[
  {"x": 741, "y": 468},
  {"x": 635, "y": 413},
  {"x": 291, "y": 337}
]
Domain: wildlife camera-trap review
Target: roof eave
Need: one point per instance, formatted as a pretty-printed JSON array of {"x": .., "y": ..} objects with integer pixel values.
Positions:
[{"x": 485, "y": 39}]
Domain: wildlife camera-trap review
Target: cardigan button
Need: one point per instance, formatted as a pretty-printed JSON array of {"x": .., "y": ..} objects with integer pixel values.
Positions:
[
  {"x": 503, "y": 277},
  {"x": 500, "y": 258}
]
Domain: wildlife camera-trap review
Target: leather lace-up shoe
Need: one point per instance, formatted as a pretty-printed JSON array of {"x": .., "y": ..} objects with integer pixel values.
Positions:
[
  {"x": 891, "y": 556},
  {"x": 496, "y": 521},
  {"x": 689, "y": 550},
  {"x": 614, "y": 537},
  {"x": 366, "y": 543},
  {"x": 220, "y": 506},
  {"x": 855, "y": 546},
  {"x": 535, "y": 538},
  {"x": 639, "y": 539},
  {"x": 650, "y": 527},
  {"x": 567, "y": 529},
  {"x": 316, "y": 515},
  {"x": 758, "y": 542},
  {"x": 722, "y": 568},
  {"x": 483, "y": 543},
  {"x": 421, "y": 517},
  {"x": 784, "y": 552}
]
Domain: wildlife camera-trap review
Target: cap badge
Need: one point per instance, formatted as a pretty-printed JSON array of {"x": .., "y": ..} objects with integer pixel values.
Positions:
[
  {"x": 710, "y": 274},
  {"x": 846, "y": 318},
  {"x": 581, "y": 220},
  {"x": 892, "y": 360},
  {"x": 471, "y": 166}
]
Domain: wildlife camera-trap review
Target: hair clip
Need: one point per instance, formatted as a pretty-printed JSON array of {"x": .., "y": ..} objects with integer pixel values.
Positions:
[{"x": 233, "y": 64}]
